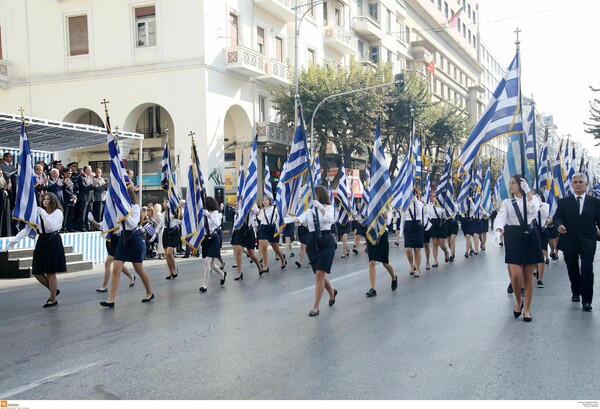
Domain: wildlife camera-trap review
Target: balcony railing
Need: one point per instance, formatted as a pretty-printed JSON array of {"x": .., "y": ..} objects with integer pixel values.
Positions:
[
  {"x": 365, "y": 25},
  {"x": 339, "y": 39},
  {"x": 245, "y": 61},
  {"x": 276, "y": 72},
  {"x": 284, "y": 9},
  {"x": 269, "y": 132},
  {"x": 4, "y": 78}
]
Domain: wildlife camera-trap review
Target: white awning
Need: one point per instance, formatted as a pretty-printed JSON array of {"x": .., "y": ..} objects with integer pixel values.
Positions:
[{"x": 54, "y": 136}]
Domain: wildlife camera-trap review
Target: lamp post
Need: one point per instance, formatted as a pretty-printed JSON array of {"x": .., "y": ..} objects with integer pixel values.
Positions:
[{"x": 297, "y": 22}]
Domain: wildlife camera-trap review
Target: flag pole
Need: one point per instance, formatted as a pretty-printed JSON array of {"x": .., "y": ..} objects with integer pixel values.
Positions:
[
  {"x": 522, "y": 140},
  {"x": 535, "y": 158},
  {"x": 310, "y": 175}
]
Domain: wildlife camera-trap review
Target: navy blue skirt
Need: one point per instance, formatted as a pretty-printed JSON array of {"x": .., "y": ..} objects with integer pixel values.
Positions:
[
  {"x": 130, "y": 247},
  {"x": 321, "y": 258},
  {"x": 519, "y": 252},
  {"x": 288, "y": 231},
  {"x": 303, "y": 234},
  {"x": 468, "y": 226},
  {"x": 544, "y": 239},
  {"x": 341, "y": 229},
  {"x": 360, "y": 230},
  {"x": 427, "y": 236},
  {"x": 244, "y": 237},
  {"x": 414, "y": 235},
  {"x": 111, "y": 246},
  {"x": 171, "y": 237},
  {"x": 211, "y": 247},
  {"x": 452, "y": 226},
  {"x": 49, "y": 255},
  {"x": 267, "y": 232},
  {"x": 552, "y": 232},
  {"x": 438, "y": 229},
  {"x": 380, "y": 251},
  {"x": 485, "y": 225}
]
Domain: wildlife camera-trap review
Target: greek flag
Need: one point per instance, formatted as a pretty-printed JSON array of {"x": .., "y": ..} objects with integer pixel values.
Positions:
[
  {"x": 118, "y": 202},
  {"x": 427, "y": 193},
  {"x": 304, "y": 199},
  {"x": 403, "y": 189},
  {"x": 316, "y": 170},
  {"x": 268, "y": 192},
  {"x": 512, "y": 165},
  {"x": 417, "y": 152},
  {"x": 529, "y": 129},
  {"x": 543, "y": 170},
  {"x": 192, "y": 226},
  {"x": 25, "y": 204},
  {"x": 288, "y": 189},
  {"x": 240, "y": 185},
  {"x": 344, "y": 208},
  {"x": 477, "y": 191},
  {"x": 330, "y": 190},
  {"x": 364, "y": 208},
  {"x": 569, "y": 169},
  {"x": 167, "y": 184},
  {"x": 552, "y": 199},
  {"x": 250, "y": 187},
  {"x": 502, "y": 115},
  {"x": 486, "y": 202},
  {"x": 380, "y": 192},
  {"x": 445, "y": 192},
  {"x": 496, "y": 199},
  {"x": 464, "y": 196},
  {"x": 558, "y": 177}
]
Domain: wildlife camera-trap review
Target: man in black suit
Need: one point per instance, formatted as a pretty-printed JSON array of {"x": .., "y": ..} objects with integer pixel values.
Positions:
[
  {"x": 578, "y": 220},
  {"x": 85, "y": 198}
]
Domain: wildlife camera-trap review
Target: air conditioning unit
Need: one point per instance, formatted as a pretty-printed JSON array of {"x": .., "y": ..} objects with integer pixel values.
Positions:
[{"x": 145, "y": 156}]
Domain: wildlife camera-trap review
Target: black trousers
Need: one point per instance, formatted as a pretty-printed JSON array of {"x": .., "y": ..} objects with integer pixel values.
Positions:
[
  {"x": 582, "y": 279},
  {"x": 97, "y": 212}
]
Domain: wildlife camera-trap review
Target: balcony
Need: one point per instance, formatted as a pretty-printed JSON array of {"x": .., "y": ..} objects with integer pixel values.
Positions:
[
  {"x": 282, "y": 9},
  {"x": 366, "y": 26},
  {"x": 269, "y": 132},
  {"x": 245, "y": 61},
  {"x": 276, "y": 72},
  {"x": 4, "y": 78},
  {"x": 340, "y": 40}
]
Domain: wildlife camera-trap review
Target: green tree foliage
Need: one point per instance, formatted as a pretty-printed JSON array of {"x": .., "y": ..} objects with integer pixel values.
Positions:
[{"x": 594, "y": 125}]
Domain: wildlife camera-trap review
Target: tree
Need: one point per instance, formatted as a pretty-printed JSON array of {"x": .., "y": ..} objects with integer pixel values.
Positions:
[{"x": 594, "y": 126}]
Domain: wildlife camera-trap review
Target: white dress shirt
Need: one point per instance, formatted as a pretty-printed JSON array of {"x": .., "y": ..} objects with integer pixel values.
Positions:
[
  {"x": 542, "y": 217},
  {"x": 131, "y": 223},
  {"x": 415, "y": 212},
  {"x": 52, "y": 221},
  {"x": 268, "y": 215},
  {"x": 508, "y": 216},
  {"x": 325, "y": 221}
]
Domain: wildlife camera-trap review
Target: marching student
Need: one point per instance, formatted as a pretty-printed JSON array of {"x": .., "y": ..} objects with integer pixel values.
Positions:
[
  {"x": 211, "y": 245},
  {"x": 380, "y": 252},
  {"x": 130, "y": 248},
  {"x": 343, "y": 229},
  {"x": 470, "y": 229},
  {"x": 452, "y": 228},
  {"x": 245, "y": 238},
  {"x": 516, "y": 220},
  {"x": 303, "y": 238},
  {"x": 359, "y": 229},
  {"x": 438, "y": 231},
  {"x": 320, "y": 250},
  {"x": 171, "y": 237},
  {"x": 396, "y": 226},
  {"x": 269, "y": 220},
  {"x": 413, "y": 229},
  {"x": 542, "y": 221},
  {"x": 288, "y": 238}
]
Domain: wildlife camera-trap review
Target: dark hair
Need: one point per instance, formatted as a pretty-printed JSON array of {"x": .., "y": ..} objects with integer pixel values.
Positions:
[
  {"x": 269, "y": 199},
  {"x": 53, "y": 202},
  {"x": 517, "y": 177},
  {"x": 322, "y": 195},
  {"x": 132, "y": 195},
  {"x": 211, "y": 204}
]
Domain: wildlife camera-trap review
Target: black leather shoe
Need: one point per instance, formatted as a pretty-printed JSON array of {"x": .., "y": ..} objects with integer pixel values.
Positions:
[
  {"x": 107, "y": 304},
  {"x": 100, "y": 290},
  {"x": 371, "y": 293},
  {"x": 518, "y": 313},
  {"x": 587, "y": 306},
  {"x": 54, "y": 303},
  {"x": 527, "y": 319},
  {"x": 313, "y": 313},
  {"x": 331, "y": 302},
  {"x": 297, "y": 264},
  {"x": 355, "y": 251},
  {"x": 132, "y": 284},
  {"x": 202, "y": 289},
  {"x": 241, "y": 277},
  {"x": 224, "y": 277},
  {"x": 434, "y": 265},
  {"x": 262, "y": 272},
  {"x": 576, "y": 298},
  {"x": 509, "y": 289},
  {"x": 395, "y": 283},
  {"x": 148, "y": 299}
]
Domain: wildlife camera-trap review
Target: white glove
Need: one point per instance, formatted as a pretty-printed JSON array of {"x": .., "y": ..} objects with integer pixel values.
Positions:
[
  {"x": 11, "y": 243},
  {"x": 497, "y": 237},
  {"x": 316, "y": 204},
  {"x": 90, "y": 216},
  {"x": 525, "y": 186}
]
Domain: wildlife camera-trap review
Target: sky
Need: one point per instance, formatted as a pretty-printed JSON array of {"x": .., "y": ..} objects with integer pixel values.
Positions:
[{"x": 560, "y": 55}]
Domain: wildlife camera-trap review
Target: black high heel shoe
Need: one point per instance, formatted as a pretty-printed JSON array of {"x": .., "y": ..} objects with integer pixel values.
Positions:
[
  {"x": 241, "y": 277},
  {"x": 132, "y": 284},
  {"x": 148, "y": 299},
  {"x": 518, "y": 314},
  {"x": 107, "y": 304},
  {"x": 224, "y": 277},
  {"x": 331, "y": 302},
  {"x": 527, "y": 319},
  {"x": 262, "y": 272}
]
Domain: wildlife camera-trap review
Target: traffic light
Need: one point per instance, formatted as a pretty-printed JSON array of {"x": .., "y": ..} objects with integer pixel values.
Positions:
[{"x": 399, "y": 80}]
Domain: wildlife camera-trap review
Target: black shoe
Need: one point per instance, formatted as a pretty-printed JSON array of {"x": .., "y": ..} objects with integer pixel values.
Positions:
[
  {"x": 517, "y": 314},
  {"x": 395, "y": 283},
  {"x": 501, "y": 244},
  {"x": 298, "y": 264},
  {"x": 54, "y": 303},
  {"x": 451, "y": 258},
  {"x": 331, "y": 302},
  {"x": 466, "y": 255},
  {"x": 472, "y": 253},
  {"x": 535, "y": 274},
  {"x": 355, "y": 251},
  {"x": 539, "y": 284},
  {"x": 241, "y": 277},
  {"x": 313, "y": 313},
  {"x": 148, "y": 299},
  {"x": 509, "y": 289},
  {"x": 202, "y": 289},
  {"x": 292, "y": 254},
  {"x": 527, "y": 319},
  {"x": 586, "y": 306},
  {"x": 262, "y": 272},
  {"x": 107, "y": 304},
  {"x": 482, "y": 248},
  {"x": 132, "y": 284},
  {"x": 185, "y": 257},
  {"x": 434, "y": 265},
  {"x": 224, "y": 277},
  {"x": 100, "y": 290},
  {"x": 576, "y": 298},
  {"x": 169, "y": 277},
  {"x": 371, "y": 293},
  {"x": 234, "y": 266}
]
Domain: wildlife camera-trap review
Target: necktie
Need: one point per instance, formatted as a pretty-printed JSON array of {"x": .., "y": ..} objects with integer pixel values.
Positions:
[{"x": 579, "y": 204}]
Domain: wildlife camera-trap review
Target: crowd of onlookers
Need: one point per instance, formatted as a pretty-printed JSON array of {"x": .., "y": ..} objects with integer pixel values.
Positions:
[{"x": 79, "y": 190}]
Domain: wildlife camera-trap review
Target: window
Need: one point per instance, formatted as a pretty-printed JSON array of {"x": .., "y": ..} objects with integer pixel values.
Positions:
[
  {"x": 374, "y": 54},
  {"x": 279, "y": 49},
  {"x": 324, "y": 14},
  {"x": 311, "y": 57},
  {"x": 458, "y": 25},
  {"x": 464, "y": 30},
  {"x": 446, "y": 9},
  {"x": 234, "y": 33},
  {"x": 440, "y": 5},
  {"x": 473, "y": 17},
  {"x": 338, "y": 17},
  {"x": 361, "y": 50},
  {"x": 145, "y": 21},
  {"x": 469, "y": 36},
  {"x": 262, "y": 108},
  {"x": 260, "y": 40},
  {"x": 389, "y": 21},
  {"x": 0, "y": 42},
  {"x": 78, "y": 35},
  {"x": 359, "y": 8},
  {"x": 373, "y": 11},
  {"x": 390, "y": 57},
  {"x": 469, "y": 8}
]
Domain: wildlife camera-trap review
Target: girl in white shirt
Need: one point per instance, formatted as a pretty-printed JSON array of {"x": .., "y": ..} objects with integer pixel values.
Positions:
[
  {"x": 171, "y": 237},
  {"x": 269, "y": 220},
  {"x": 542, "y": 221},
  {"x": 211, "y": 245}
]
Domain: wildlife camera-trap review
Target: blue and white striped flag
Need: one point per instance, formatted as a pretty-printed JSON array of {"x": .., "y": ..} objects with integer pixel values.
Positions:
[
  {"x": 570, "y": 169},
  {"x": 268, "y": 192},
  {"x": 250, "y": 187},
  {"x": 496, "y": 199},
  {"x": 240, "y": 184},
  {"x": 544, "y": 175},
  {"x": 552, "y": 199},
  {"x": 486, "y": 202},
  {"x": 296, "y": 165},
  {"x": 512, "y": 165},
  {"x": 427, "y": 193},
  {"x": 304, "y": 198},
  {"x": 25, "y": 204},
  {"x": 558, "y": 177},
  {"x": 445, "y": 192},
  {"x": 502, "y": 115},
  {"x": 168, "y": 185},
  {"x": 403, "y": 189},
  {"x": 380, "y": 192},
  {"x": 477, "y": 191},
  {"x": 330, "y": 190},
  {"x": 364, "y": 208},
  {"x": 417, "y": 152},
  {"x": 464, "y": 196},
  {"x": 344, "y": 208},
  {"x": 316, "y": 170},
  {"x": 193, "y": 226},
  {"x": 529, "y": 130}
]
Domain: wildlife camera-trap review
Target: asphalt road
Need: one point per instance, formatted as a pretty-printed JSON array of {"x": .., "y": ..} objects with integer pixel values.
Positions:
[{"x": 449, "y": 334}]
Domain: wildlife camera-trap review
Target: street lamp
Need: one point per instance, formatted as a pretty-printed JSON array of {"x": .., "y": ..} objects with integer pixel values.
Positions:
[{"x": 297, "y": 22}]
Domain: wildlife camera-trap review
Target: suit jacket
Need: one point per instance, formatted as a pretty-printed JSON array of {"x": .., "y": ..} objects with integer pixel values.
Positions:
[
  {"x": 581, "y": 232},
  {"x": 99, "y": 189},
  {"x": 56, "y": 187},
  {"x": 86, "y": 189}
]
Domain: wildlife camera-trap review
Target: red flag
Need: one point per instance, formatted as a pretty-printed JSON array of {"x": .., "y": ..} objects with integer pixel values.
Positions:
[
  {"x": 431, "y": 68},
  {"x": 454, "y": 19}
]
